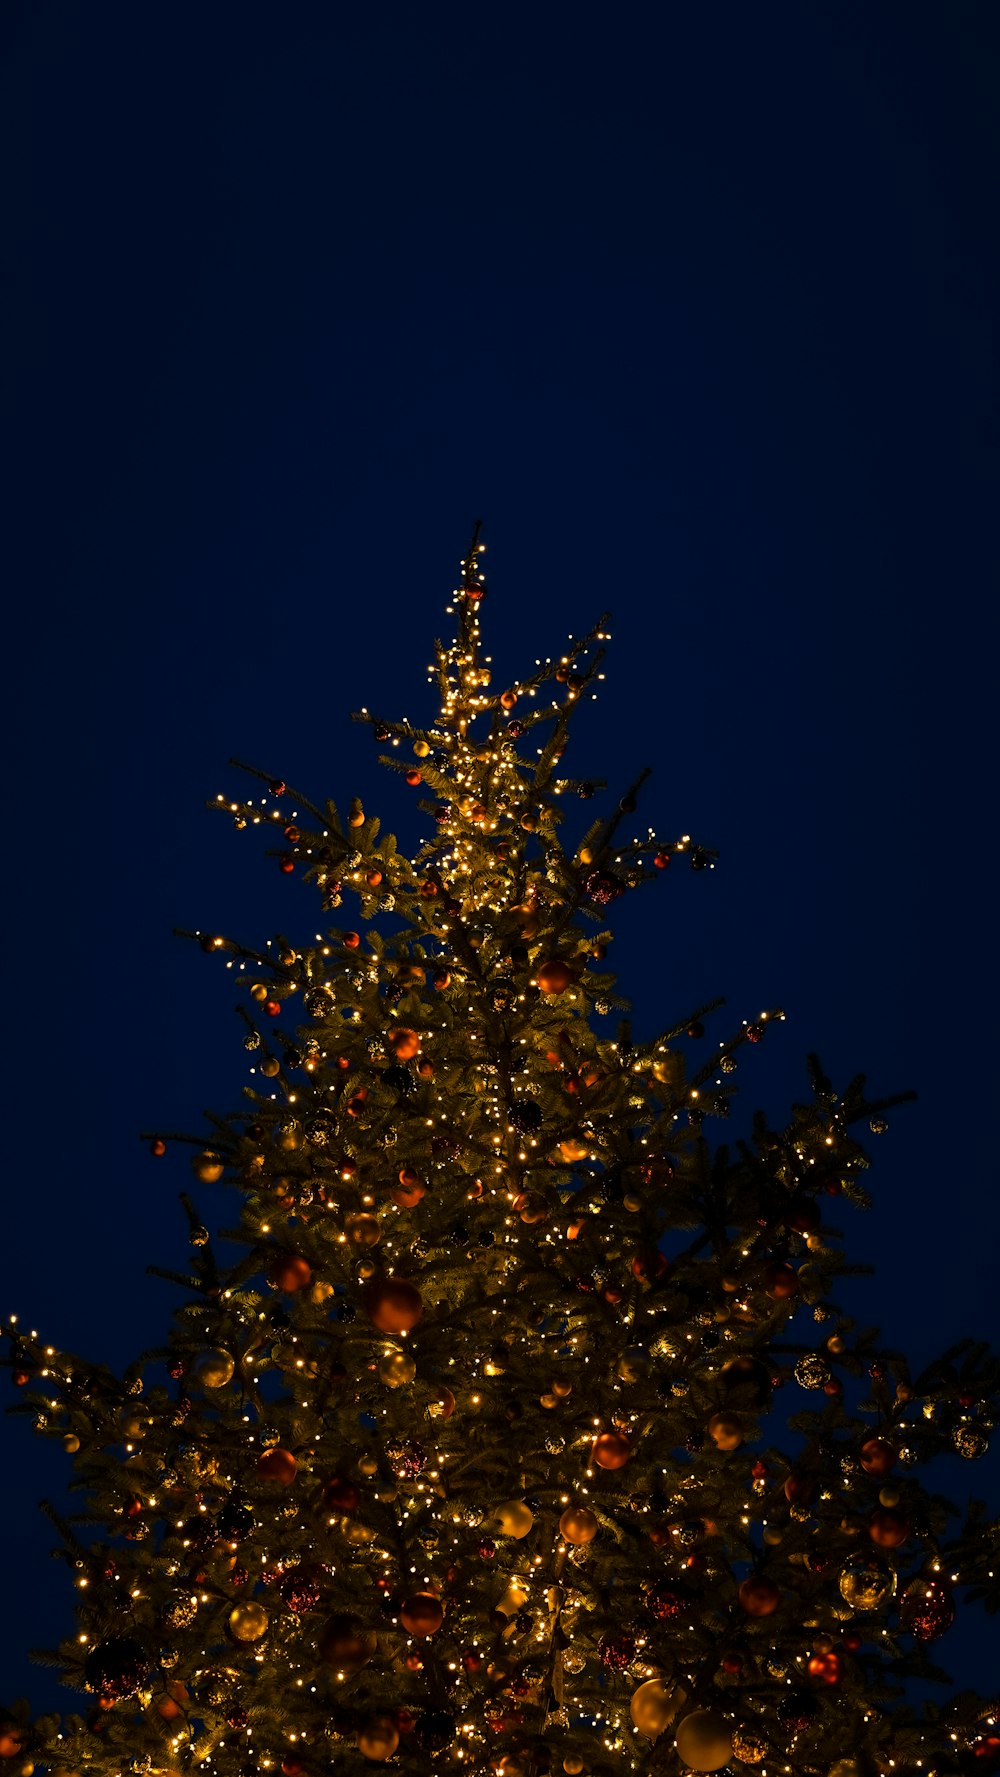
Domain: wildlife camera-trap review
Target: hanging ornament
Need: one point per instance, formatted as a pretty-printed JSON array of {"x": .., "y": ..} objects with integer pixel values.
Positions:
[
  {"x": 514, "y": 1518},
  {"x": 749, "y": 1745},
  {"x": 345, "y": 1643},
  {"x": 554, "y": 976},
  {"x": 396, "y": 1369},
  {"x": 928, "y": 1609},
  {"x": 378, "y": 1738},
  {"x": 117, "y": 1667},
  {"x": 247, "y": 1622},
  {"x": 617, "y": 1651},
  {"x": 725, "y": 1431},
  {"x": 207, "y": 1167},
  {"x": 277, "y": 1465},
  {"x": 610, "y": 1450},
  {"x": 759, "y": 1596},
  {"x": 798, "y": 1711},
  {"x": 704, "y": 1740},
  {"x": 215, "y": 1368},
  {"x": 421, "y": 1614},
  {"x": 435, "y": 1729},
  {"x": 887, "y": 1529},
  {"x": 578, "y": 1525},
  {"x": 664, "y": 1602},
  {"x": 288, "y": 1273},
  {"x": 877, "y": 1456},
  {"x": 864, "y": 1584},
  {"x": 970, "y": 1441},
  {"x": 392, "y": 1304},
  {"x": 654, "y": 1705},
  {"x": 812, "y": 1371},
  {"x": 300, "y": 1588}
]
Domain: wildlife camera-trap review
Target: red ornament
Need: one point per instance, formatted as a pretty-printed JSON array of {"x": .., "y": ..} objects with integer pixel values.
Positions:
[
  {"x": 392, "y": 1304},
  {"x": 780, "y": 1281},
  {"x": 617, "y": 1651},
  {"x": 852, "y": 1641},
  {"x": 754, "y": 1033},
  {"x": 828, "y": 1667},
  {"x": 732, "y": 1663},
  {"x": 158, "y": 1147},
  {"x": 610, "y": 1450},
  {"x": 272, "y": 1008},
  {"x": 877, "y": 1456},
  {"x": 887, "y": 1529},
  {"x": 287, "y": 865},
  {"x": 648, "y": 1264},
  {"x": 289, "y": 1273},
  {"x": 277, "y": 1465},
  {"x": 350, "y": 940},
  {"x": 928, "y": 1610},
  {"x": 413, "y": 777},
  {"x": 277, "y": 787},
  {"x": 759, "y": 1596},
  {"x": 662, "y": 860},
  {"x": 340, "y": 1495}
]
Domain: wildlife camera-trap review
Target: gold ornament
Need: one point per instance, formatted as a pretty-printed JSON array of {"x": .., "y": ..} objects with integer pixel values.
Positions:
[
  {"x": 207, "y": 1168},
  {"x": 725, "y": 1431},
  {"x": 748, "y": 1745},
  {"x": 71, "y": 1443},
  {"x": 215, "y": 1368},
  {"x": 513, "y": 1599},
  {"x": 578, "y": 1525},
  {"x": 247, "y": 1622},
  {"x": 654, "y": 1706},
  {"x": 379, "y": 1738},
  {"x": 363, "y": 1230},
  {"x": 865, "y": 1584},
  {"x": 704, "y": 1740},
  {"x": 396, "y": 1369},
  {"x": 514, "y": 1518},
  {"x": 846, "y": 1767}
]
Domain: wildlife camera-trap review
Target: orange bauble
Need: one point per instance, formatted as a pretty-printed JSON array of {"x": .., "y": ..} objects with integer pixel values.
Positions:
[
  {"x": 345, "y": 1643},
  {"x": 289, "y": 1273},
  {"x": 780, "y": 1281},
  {"x": 11, "y": 1742},
  {"x": 277, "y": 1465},
  {"x": 610, "y": 1450},
  {"x": 392, "y": 1304},
  {"x": 405, "y": 1042},
  {"x": 725, "y": 1431},
  {"x": 378, "y": 1738},
  {"x": 888, "y": 1529},
  {"x": 554, "y": 976},
  {"x": 759, "y": 1596},
  {"x": 877, "y": 1456},
  {"x": 578, "y": 1525},
  {"x": 421, "y": 1614}
]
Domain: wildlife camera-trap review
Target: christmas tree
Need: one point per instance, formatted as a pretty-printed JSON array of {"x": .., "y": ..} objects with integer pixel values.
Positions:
[{"x": 473, "y": 1457}]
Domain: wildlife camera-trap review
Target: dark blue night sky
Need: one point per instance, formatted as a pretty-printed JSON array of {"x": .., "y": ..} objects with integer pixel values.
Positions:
[{"x": 695, "y": 305}]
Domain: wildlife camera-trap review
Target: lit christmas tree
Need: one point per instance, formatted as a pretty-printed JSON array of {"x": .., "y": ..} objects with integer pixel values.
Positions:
[{"x": 468, "y": 1461}]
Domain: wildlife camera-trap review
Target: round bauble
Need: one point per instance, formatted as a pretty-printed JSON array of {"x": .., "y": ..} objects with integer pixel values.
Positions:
[
  {"x": 759, "y": 1597},
  {"x": 578, "y": 1525},
  {"x": 277, "y": 1465},
  {"x": 747, "y": 1378},
  {"x": 664, "y": 1602},
  {"x": 345, "y": 1643},
  {"x": 378, "y": 1738},
  {"x": 421, "y": 1614},
  {"x": 749, "y": 1745},
  {"x": 215, "y": 1368},
  {"x": 610, "y": 1450},
  {"x": 554, "y": 976},
  {"x": 865, "y": 1585},
  {"x": 514, "y": 1518},
  {"x": 928, "y": 1610},
  {"x": 207, "y": 1167},
  {"x": 435, "y": 1730},
  {"x": 877, "y": 1456},
  {"x": 704, "y": 1740},
  {"x": 654, "y": 1706},
  {"x": 288, "y": 1272},
  {"x": 780, "y": 1282},
  {"x": 396, "y": 1369},
  {"x": 725, "y": 1431},
  {"x": 392, "y": 1304},
  {"x": 116, "y": 1667},
  {"x": 887, "y": 1529},
  {"x": 247, "y": 1622}
]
